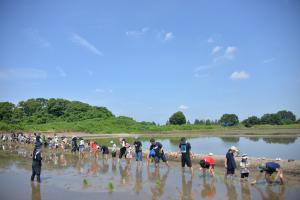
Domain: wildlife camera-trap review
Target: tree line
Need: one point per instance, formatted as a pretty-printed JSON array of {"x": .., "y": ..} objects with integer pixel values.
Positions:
[
  {"x": 44, "y": 111},
  {"x": 280, "y": 118}
]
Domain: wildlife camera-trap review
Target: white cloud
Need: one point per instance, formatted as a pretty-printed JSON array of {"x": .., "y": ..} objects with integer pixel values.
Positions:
[
  {"x": 77, "y": 39},
  {"x": 183, "y": 107},
  {"x": 100, "y": 90},
  {"x": 61, "y": 72},
  {"x": 35, "y": 35},
  {"x": 268, "y": 60},
  {"x": 137, "y": 33},
  {"x": 90, "y": 72},
  {"x": 230, "y": 52},
  {"x": 22, "y": 73},
  {"x": 169, "y": 36},
  {"x": 216, "y": 49},
  {"x": 239, "y": 75}
]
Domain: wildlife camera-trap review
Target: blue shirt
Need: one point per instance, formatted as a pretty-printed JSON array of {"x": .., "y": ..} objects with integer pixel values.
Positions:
[{"x": 230, "y": 160}]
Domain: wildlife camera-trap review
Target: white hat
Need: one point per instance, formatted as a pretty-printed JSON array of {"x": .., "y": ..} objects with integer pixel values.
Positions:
[
  {"x": 210, "y": 154},
  {"x": 244, "y": 156},
  {"x": 234, "y": 148}
]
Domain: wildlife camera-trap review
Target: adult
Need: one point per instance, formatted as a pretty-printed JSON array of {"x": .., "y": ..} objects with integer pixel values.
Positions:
[
  {"x": 185, "y": 150},
  {"x": 230, "y": 164},
  {"x": 138, "y": 151},
  {"x": 159, "y": 152},
  {"x": 123, "y": 148},
  {"x": 36, "y": 164},
  {"x": 269, "y": 168},
  {"x": 105, "y": 151},
  {"x": 208, "y": 162}
]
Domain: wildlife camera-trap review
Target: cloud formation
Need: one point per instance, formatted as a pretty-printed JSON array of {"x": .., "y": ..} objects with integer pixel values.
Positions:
[
  {"x": 183, "y": 107},
  {"x": 216, "y": 49},
  {"x": 35, "y": 36},
  {"x": 22, "y": 73},
  {"x": 137, "y": 33},
  {"x": 239, "y": 75},
  {"x": 81, "y": 41},
  {"x": 61, "y": 72},
  {"x": 230, "y": 52},
  {"x": 169, "y": 36}
]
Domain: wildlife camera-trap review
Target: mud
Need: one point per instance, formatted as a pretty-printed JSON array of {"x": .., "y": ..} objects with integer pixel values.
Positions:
[{"x": 63, "y": 177}]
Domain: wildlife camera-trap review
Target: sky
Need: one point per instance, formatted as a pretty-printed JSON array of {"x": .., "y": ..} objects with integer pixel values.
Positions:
[{"x": 149, "y": 59}]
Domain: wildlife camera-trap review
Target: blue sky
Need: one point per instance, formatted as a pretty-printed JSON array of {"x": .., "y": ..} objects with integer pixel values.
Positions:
[{"x": 149, "y": 59}]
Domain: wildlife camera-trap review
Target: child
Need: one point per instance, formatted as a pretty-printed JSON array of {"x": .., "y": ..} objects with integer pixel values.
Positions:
[
  {"x": 244, "y": 167},
  {"x": 81, "y": 148},
  {"x": 113, "y": 150},
  {"x": 128, "y": 152}
]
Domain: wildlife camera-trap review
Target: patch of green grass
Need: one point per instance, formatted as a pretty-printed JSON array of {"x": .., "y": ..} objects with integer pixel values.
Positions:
[
  {"x": 158, "y": 183},
  {"x": 110, "y": 187},
  {"x": 85, "y": 183}
]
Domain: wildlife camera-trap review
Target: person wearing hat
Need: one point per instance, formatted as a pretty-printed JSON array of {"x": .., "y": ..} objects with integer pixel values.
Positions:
[
  {"x": 138, "y": 150},
  {"x": 269, "y": 168},
  {"x": 159, "y": 152},
  {"x": 208, "y": 162},
  {"x": 230, "y": 164},
  {"x": 244, "y": 167}
]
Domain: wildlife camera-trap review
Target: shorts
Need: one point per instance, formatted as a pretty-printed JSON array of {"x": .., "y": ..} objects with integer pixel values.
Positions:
[
  {"x": 113, "y": 154},
  {"x": 244, "y": 175},
  {"x": 122, "y": 152},
  {"x": 138, "y": 156},
  {"x": 230, "y": 171},
  {"x": 105, "y": 152},
  {"x": 206, "y": 165},
  {"x": 81, "y": 149},
  {"x": 186, "y": 160},
  {"x": 160, "y": 157}
]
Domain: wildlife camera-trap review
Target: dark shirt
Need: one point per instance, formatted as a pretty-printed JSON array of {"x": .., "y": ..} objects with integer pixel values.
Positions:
[
  {"x": 230, "y": 160},
  {"x": 137, "y": 145},
  {"x": 157, "y": 147},
  {"x": 104, "y": 149},
  {"x": 272, "y": 165},
  {"x": 37, "y": 156},
  {"x": 185, "y": 148}
]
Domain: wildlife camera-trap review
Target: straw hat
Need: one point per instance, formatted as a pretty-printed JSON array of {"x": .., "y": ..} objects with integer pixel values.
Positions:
[{"x": 234, "y": 148}]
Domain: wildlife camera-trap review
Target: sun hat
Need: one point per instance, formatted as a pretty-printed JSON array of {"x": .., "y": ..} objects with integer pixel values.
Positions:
[
  {"x": 210, "y": 154},
  {"x": 234, "y": 148},
  {"x": 245, "y": 156}
]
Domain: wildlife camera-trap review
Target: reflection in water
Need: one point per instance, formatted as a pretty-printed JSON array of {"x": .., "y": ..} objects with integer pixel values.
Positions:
[
  {"x": 160, "y": 182},
  {"x": 138, "y": 186},
  {"x": 230, "y": 139},
  {"x": 270, "y": 193},
  {"x": 209, "y": 188},
  {"x": 125, "y": 173},
  {"x": 245, "y": 191},
  {"x": 186, "y": 187},
  {"x": 280, "y": 140},
  {"x": 231, "y": 191},
  {"x": 35, "y": 191}
]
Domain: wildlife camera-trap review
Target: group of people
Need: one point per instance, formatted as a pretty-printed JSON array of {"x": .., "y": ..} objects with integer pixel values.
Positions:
[{"x": 156, "y": 154}]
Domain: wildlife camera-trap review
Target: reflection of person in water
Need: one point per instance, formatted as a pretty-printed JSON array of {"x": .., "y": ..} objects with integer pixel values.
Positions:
[
  {"x": 231, "y": 191},
  {"x": 270, "y": 194},
  {"x": 35, "y": 191},
  {"x": 105, "y": 167},
  {"x": 138, "y": 179},
  {"x": 113, "y": 166},
  {"x": 209, "y": 189},
  {"x": 94, "y": 167},
  {"x": 124, "y": 173},
  {"x": 245, "y": 191},
  {"x": 186, "y": 187},
  {"x": 160, "y": 183}
]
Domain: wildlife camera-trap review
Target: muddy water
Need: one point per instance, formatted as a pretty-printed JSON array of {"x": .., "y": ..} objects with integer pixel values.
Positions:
[{"x": 63, "y": 177}]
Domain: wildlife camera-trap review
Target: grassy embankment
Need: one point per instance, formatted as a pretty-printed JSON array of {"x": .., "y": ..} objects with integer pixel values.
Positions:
[{"x": 116, "y": 125}]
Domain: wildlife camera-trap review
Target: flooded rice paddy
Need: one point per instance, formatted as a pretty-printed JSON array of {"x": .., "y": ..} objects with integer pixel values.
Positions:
[{"x": 65, "y": 176}]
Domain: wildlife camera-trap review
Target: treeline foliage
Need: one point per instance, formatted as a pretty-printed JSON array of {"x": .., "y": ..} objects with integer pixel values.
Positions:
[
  {"x": 280, "y": 118},
  {"x": 41, "y": 111}
]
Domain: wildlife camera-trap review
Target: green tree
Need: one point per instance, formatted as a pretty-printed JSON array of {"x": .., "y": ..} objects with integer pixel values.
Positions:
[
  {"x": 229, "y": 120},
  {"x": 57, "y": 107},
  {"x": 6, "y": 111},
  {"x": 250, "y": 121},
  {"x": 273, "y": 119},
  {"x": 33, "y": 105},
  {"x": 197, "y": 121},
  {"x": 286, "y": 117},
  {"x": 177, "y": 118}
]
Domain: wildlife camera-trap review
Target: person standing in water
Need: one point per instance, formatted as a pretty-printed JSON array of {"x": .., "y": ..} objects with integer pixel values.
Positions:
[
  {"x": 159, "y": 152},
  {"x": 138, "y": 151},
  {"x": 230, "y": 164},
  {"x": 186, "y": 153},
  {"x": 36, "y": 163}
]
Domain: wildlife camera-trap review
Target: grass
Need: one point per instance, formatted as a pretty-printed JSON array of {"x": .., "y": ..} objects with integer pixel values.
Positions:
[
  {"x": 116, "y": 125},
  {"x": 110, "y": 187},
  {"x": 85, "y": 183}
]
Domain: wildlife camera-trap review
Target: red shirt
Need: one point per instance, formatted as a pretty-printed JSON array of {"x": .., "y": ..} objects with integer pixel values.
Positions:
[{"x": 209, "y": 159}]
